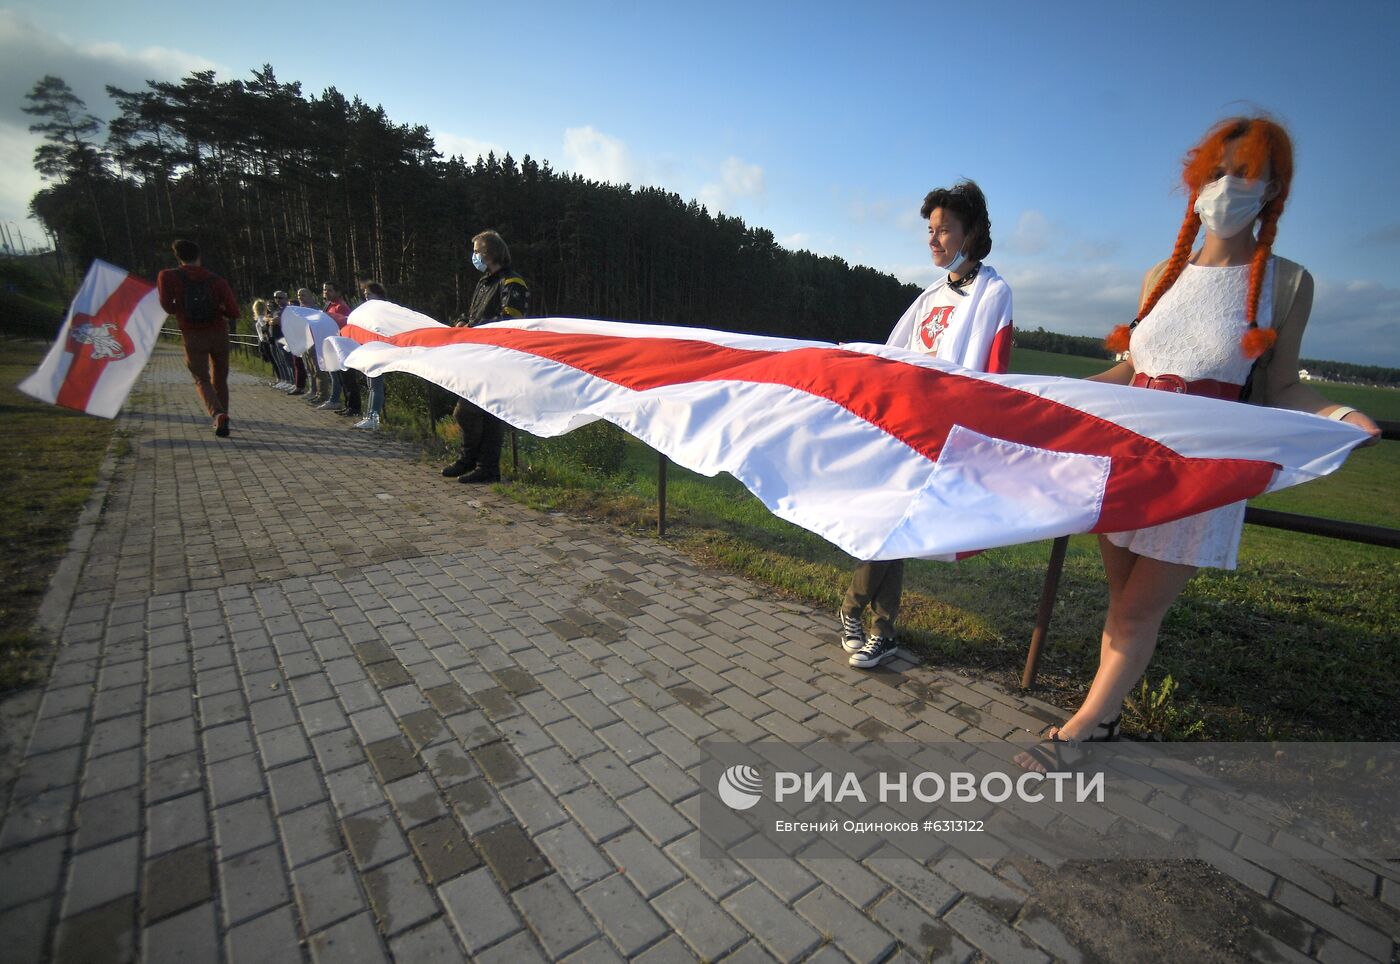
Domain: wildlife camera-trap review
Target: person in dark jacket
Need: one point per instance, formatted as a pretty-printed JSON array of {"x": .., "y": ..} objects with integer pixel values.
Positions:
[
  {"x": 203, "y": 305},
  {"x": 500, "y": 294}
]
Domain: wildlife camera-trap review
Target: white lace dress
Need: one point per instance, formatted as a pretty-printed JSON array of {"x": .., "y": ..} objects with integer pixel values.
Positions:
[{"x": 1194, "y": 331}]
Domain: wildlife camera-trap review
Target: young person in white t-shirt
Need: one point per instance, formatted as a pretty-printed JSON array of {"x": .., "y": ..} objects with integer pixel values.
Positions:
[{"x": 964, "y": 318}]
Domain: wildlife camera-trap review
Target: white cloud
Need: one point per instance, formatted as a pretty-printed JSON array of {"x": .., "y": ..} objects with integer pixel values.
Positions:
[
  {"x": 738, "y": 180},
  {"x": 599, "y": 157},
  {"x": 796, "y": 241},
  {"x": 27, "y": 53},
  {"x": 1032, "y": 234},
  {"x": 451, "y": 145},
  {"x": 21, "y": 181},
  {"x": 1354, "y": 321}
]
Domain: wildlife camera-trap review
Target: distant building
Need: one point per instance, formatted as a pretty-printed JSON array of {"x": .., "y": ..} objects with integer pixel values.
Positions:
[{"x": 1304, "y": 374}]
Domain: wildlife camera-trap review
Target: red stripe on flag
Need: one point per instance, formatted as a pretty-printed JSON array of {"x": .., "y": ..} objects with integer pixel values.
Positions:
[
  {"x": 85, "y": 371},
  {"x": 1147, "y": 485}
]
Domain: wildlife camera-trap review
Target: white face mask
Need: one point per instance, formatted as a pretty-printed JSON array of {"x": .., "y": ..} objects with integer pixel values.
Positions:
[{"x": 1229, "y": 205}]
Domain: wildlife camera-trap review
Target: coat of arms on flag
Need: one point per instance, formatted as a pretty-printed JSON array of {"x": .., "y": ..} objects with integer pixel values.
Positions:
[{"x": 103, "y": 345}]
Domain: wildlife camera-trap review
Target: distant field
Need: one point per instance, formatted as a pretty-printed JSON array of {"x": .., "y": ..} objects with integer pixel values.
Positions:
[{"x": 1382, "y": 403}]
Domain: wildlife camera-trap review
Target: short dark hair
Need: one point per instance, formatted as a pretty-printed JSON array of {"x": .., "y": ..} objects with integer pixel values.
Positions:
[
  {"x": 495, "y": 246},
  {"x": 186, "y": 251},
  {"x": 331, "y": 285},
  {"x": 966, "y": 202},
  {"x": 374, "y": 288}
]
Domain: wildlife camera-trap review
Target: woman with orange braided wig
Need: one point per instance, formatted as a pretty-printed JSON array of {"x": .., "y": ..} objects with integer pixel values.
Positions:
[{"x": 1224, "y": 320}]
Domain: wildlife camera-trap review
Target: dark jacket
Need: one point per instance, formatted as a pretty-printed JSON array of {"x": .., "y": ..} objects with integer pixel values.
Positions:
[{"x": 499, "y": 295}]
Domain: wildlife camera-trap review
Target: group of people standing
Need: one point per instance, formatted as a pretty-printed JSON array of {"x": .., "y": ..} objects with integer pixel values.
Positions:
[
  {"x": 299, "y": 374},
  {"x": 1224, "y": 319}
]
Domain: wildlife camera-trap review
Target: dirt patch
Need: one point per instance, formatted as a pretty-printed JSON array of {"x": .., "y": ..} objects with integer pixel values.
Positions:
[{"x": 1156, "y": 910}]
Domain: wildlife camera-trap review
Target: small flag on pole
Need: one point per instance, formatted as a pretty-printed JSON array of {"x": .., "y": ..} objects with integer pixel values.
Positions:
[{"x": 103, "y": 346}]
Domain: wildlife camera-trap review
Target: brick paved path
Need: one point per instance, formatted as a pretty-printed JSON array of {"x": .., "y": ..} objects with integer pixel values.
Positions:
[{"x": 314, "y": 702}]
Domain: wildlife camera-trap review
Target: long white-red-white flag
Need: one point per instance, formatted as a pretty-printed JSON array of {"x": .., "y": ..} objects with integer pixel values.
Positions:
[
  {"x": 887, "y": 453},
  {"x": 103, "y": 346}
]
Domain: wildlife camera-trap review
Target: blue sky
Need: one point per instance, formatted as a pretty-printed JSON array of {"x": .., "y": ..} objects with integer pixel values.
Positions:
[{"x": 827, "y": 123}]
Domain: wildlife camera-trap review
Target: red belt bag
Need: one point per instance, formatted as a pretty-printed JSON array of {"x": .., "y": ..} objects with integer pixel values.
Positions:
[{"x": 1201, "y": 386}]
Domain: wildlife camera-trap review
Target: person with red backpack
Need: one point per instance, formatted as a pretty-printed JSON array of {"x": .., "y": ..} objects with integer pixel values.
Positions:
[{"x": 203, "y": 305}]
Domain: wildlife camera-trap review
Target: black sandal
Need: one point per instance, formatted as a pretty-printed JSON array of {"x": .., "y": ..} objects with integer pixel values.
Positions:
[
  {"x": 1110, "y": 731},
  {"x": 1056, "y": 755}
]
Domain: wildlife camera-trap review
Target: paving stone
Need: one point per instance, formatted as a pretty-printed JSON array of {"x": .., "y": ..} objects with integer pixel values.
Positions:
[
  {"x": 598, "y": 815},
  {"x": 353, "y": 941},
  {"x": 354, "y": 789},
  {"x": 658, "y": 819},
  {"x": 392, "y": 759},
  {"x": 553, "y": 913},
  {"x": 243, "y": 826},
  {"x": 101, "y": 875},
  {"x": 234, "y": 779},
  {"x": 699, "y": 921},
  {"x": 579, "y": 863},
  {"x": 105, "y": 933},
  {"x": 610, "y": 773},
  {"x": 627, "y": 919},
  {"x": 500, "y": 763},
  {"x": 923, "y": 935},
  {"x": 106, "y": 818},
  {"x": 177, "y": 881},
  {"x": 649, "y": 870},
  {"x": 478, "y": 909},
  {"x": 718, "y": 877},
  {"x": 309, "y": 833},
  {"x": 430, "y": 943},
  {"x": 374, "y": 837},
  {"x": 512, "y": 855},
  {"x": 522, "y": 948},
  {"x": 251, "y": 883},
  {"x": 189, "y": 936},
  {"x": 771, "y": 922},
  {"x": 991, "y": 935},
  {"x": 443, "y": 850},
  {"x": 847, "y": 927},
  {"x": 326, "y": 891},
  {"x": 115, "y": 771},
  {"x": 477, "y": 805},
  {"x": 31, "y": 871},
  {"x": 284, "y": 745},
  {"x": 24, "y": 929}
]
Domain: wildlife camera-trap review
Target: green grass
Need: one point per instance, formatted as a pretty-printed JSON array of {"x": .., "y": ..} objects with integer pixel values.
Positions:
[
  {"x": 1298, "y": 643},
  {"x": 49, "y": 462}
]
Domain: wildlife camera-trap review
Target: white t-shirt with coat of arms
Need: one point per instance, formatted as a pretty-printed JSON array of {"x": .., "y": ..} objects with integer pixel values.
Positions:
[{"x": 971, "y": 329}]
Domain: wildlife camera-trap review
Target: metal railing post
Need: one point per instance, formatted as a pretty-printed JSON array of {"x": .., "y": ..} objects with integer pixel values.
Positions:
[
  {"x": 1047, "y": 608},
  {"x": 661, "y": 461}
]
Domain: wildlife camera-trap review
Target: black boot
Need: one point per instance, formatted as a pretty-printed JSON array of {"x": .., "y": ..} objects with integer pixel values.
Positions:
[
  {"x": 458, "y": 467},
  {"x": 481, "y": 474}
]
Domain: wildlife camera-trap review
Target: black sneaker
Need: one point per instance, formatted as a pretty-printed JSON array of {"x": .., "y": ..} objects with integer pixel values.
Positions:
[
  {"x": 877, "y": 650},
  {"x": 481, "y": 474},
  {"x": 457, "y": 468},
  {"x": 852, "y": 632}
]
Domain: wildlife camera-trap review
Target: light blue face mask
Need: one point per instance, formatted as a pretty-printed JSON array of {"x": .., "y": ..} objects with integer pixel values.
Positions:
[
  {"x": 478, "y": 263},
  {"x": 957, "y": 262}
]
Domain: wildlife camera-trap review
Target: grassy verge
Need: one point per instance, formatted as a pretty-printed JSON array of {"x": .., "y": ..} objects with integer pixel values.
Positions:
[
  {"x": 49, "y": 459},
  {"x": 1298, "y": 643}
]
